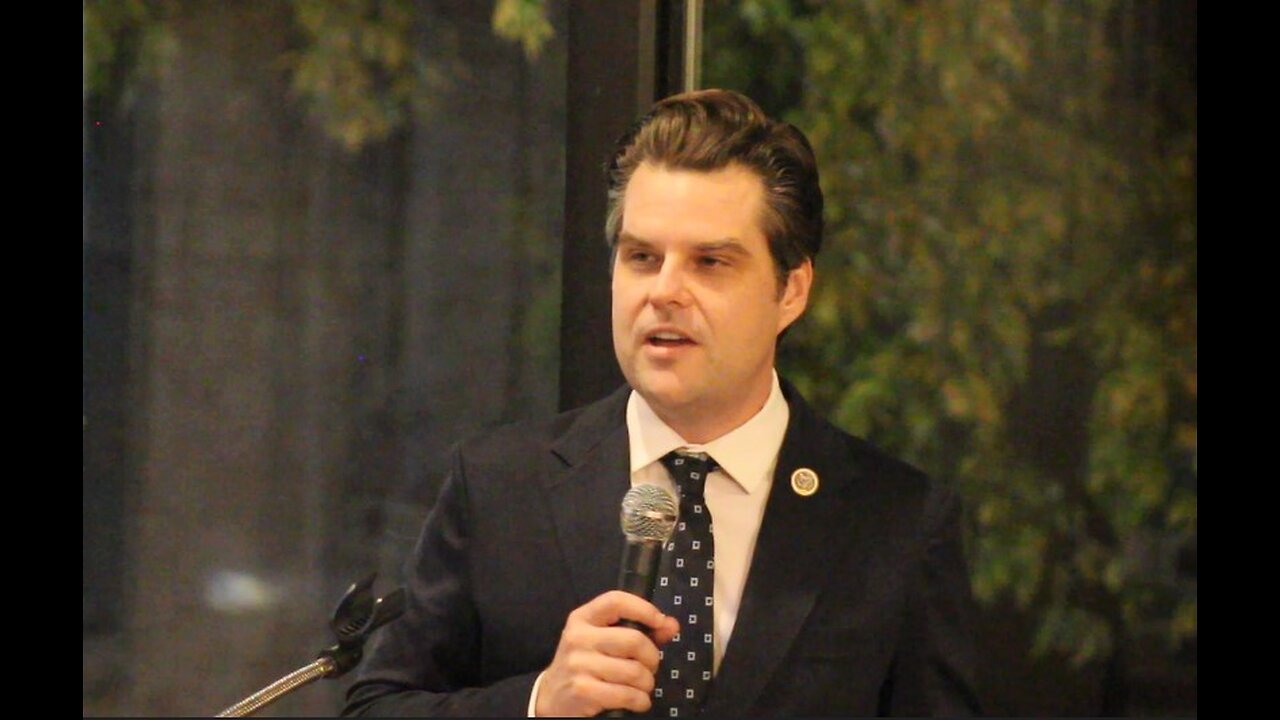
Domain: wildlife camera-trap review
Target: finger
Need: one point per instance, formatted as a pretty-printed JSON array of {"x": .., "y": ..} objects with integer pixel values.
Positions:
[
  {"x": 591, "y": 695},
  {"x": 624, "y": 671},
  {"x": 628, "y": 644},
  {"x": 610, "y": 607},
  {"x": 664, "y": 631}
]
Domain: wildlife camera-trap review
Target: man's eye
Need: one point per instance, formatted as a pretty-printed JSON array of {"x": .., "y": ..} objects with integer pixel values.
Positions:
[
  {"x": 710, "y": 262},
  {"x": 640, "y": 257}
]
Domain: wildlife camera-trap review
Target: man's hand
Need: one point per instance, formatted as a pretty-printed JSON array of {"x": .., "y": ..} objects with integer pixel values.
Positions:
[{"x": 599, "y": 667}]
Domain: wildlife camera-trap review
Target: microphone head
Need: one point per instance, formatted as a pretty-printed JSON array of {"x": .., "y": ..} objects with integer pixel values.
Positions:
[{"x": 648, "y": 513}]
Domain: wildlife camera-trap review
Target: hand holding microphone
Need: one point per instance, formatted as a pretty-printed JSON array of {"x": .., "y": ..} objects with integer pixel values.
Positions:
[{"x": 598, "y": 664}]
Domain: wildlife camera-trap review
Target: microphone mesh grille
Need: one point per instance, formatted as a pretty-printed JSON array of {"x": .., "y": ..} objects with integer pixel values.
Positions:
[{"x": 648, "y": 513}]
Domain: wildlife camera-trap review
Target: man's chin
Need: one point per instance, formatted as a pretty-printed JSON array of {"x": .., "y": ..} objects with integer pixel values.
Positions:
[{"x": 664, "y": 393}]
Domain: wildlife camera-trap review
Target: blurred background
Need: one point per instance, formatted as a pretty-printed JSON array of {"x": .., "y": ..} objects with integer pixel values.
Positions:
[{"x": 326, "y": 239}]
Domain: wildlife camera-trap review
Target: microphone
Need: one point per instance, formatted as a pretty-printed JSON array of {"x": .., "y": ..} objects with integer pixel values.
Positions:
[{"x": 648, "y": 516}]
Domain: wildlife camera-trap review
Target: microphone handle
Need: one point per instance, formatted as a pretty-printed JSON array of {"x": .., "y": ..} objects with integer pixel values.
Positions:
[
  {"x": 639, "y": 570},
  {"x": 640, "y": 567}
]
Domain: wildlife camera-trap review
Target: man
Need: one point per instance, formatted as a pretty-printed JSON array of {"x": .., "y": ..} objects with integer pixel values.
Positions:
[{"x": 838, "y": 585}]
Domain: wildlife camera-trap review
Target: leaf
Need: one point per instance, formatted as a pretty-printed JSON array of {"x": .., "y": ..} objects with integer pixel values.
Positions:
[{"x": 523, "y": 21}]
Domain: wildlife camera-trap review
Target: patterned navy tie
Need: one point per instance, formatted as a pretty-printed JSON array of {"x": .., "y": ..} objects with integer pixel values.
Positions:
[{"x": 686, "y": 587}]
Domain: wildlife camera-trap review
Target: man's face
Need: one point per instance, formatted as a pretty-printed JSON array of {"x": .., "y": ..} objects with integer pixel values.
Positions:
[{"x": 696, "y": 303}]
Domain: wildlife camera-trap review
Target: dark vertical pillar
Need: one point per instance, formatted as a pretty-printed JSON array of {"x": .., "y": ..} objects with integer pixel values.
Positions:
[{"x": 622, "y": 57}]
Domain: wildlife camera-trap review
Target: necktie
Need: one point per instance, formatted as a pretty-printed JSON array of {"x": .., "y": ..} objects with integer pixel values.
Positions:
[{"x": 686, "y": 586}]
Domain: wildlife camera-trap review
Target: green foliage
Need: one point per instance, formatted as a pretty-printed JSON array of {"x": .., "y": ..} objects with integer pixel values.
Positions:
[
  {"x": 769, "y": 66},
  {"x": 102, "y": 26},
  {"x": 1007, "y": 295},
  {"x": 525, "y": 22},
  {"x": 357, "y": 65},
  {"x": 119, "y": 36}
]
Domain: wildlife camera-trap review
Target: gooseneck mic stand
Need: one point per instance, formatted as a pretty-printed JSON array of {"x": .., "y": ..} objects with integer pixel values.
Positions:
[{"x": 358, "y": 614}]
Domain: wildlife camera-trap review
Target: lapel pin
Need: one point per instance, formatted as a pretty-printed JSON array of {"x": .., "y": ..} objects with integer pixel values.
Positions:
[{"x": 804, "y": 482}]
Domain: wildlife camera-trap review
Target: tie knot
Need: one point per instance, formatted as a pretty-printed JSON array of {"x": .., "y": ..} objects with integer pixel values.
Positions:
[{"x": 689, "y": 470}]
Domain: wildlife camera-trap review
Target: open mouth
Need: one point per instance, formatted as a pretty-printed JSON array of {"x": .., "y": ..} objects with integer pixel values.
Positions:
[{"x": 667, "y": 340}]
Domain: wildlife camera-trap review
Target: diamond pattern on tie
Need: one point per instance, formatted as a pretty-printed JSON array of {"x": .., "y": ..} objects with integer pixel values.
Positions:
[{"x": 686, "y": 591}]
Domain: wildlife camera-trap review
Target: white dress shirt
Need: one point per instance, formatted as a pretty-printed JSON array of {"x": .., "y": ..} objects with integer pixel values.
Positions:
[{"x": 736, "y": 492}]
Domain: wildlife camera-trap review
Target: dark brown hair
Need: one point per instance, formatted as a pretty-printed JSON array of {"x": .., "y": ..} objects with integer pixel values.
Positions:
[{"x": 712, "y": 129}]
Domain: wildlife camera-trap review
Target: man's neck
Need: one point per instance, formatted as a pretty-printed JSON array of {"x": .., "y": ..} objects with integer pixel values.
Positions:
[
  {"x": 702, "y": 430},
  {"x": 700, "y": 425}
]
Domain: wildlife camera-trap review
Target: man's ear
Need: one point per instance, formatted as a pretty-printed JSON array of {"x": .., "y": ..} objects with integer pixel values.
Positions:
[{"x": 795, "y": 296}]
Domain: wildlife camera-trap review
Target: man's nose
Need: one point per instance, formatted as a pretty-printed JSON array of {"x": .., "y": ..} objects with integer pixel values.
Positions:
[{"x": 670, "y": 287}]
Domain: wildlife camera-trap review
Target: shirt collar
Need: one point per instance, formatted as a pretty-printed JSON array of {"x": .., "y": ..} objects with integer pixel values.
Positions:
[{"x": 747, "y": 453}]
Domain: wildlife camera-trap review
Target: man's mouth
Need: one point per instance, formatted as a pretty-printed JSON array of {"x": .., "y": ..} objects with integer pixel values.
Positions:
[{"x": 667, "y": 339}]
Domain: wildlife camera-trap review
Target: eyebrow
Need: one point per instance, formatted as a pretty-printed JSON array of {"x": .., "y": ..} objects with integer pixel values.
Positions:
[{"x": 729, "y": 244}]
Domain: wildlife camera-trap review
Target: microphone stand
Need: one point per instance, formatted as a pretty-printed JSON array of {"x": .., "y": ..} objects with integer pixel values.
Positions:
[{"x": 358, "y": 614}]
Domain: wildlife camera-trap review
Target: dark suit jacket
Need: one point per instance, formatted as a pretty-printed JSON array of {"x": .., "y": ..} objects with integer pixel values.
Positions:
[{"x": 857, "y": 602}]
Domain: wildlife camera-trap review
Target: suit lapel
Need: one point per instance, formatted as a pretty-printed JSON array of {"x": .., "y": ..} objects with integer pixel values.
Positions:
[
  {"x": 800, "y": 538},
  {"x": 585, "y": 493}
]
